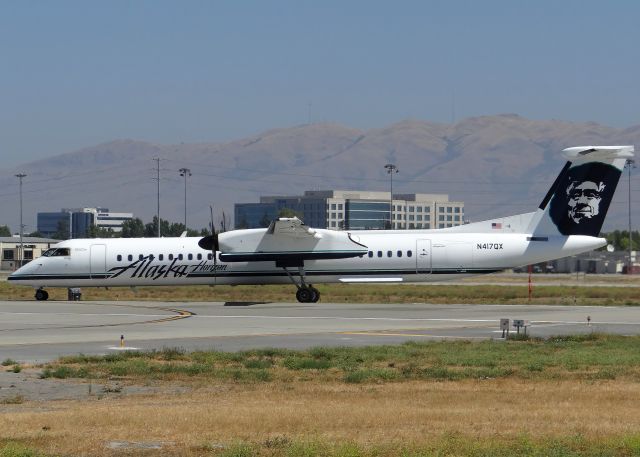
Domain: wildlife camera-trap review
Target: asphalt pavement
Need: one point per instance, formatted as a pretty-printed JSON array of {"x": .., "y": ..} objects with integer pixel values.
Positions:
[{"x": 35, "y": 332}]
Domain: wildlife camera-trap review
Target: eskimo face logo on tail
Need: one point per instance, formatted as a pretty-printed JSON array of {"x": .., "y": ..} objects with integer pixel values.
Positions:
[{"x": 582, "y": 198}]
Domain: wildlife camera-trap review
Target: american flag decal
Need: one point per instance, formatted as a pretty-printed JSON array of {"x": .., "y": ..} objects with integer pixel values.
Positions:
[{"x": 496, "y": 225}]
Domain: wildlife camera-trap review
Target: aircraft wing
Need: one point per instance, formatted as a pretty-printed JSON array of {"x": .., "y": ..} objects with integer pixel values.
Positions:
[
  {"x": 292, "y": 227},
  {"x": 288, "y": 242}
]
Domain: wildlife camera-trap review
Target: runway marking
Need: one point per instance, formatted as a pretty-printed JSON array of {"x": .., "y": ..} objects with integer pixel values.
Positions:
[
  {"x": 422, "y": 335},
  {"x": 584, "y": 322},
  {"x": 250, "y": 316},
  {"x": 342, "y": 318},
  {"x": 85, "y": 314},
  {"x": 405, "y": 319},
  {"x": 180, "y": 314}
]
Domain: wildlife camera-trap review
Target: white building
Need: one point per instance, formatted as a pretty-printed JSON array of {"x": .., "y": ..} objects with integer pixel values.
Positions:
[
  {"x": 33, "y": 248},
  {"x": 370, "y": 210},
  {"x": 100, "y": 217},
  {"x": 356, "y": 210}
]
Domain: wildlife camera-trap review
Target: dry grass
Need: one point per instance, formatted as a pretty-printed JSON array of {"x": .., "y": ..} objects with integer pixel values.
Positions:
[
  {"x": 572, "y": 396},
  {"x": 387, "y": 416},
  {"x": 554, "y": 278}
]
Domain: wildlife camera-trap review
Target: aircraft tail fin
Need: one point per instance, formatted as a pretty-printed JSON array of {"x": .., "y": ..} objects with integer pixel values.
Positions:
[{"x": 578, "y": 200}]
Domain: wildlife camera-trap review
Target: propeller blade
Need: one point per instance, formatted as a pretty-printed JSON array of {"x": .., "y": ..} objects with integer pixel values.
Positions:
[
  {"x": 212, "y": 241},
  {"x": 209, "y": 242}
]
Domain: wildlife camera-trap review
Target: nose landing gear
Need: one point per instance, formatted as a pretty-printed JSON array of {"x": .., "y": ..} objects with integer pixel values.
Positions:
[{"x": 42, "y": 294}]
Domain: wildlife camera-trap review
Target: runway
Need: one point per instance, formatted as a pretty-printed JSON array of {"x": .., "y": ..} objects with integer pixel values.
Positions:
[{"x": 36, "y": 332}]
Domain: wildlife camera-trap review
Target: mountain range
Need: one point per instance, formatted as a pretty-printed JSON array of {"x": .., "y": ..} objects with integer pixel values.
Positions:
[{"x": 498, "y": 165}]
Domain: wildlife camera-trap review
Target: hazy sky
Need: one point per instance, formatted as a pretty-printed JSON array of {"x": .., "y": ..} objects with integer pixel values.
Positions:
[{"x": 78, "y": 73}]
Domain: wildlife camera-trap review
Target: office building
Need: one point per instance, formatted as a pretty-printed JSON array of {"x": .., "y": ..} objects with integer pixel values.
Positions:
[
  {"x": 355, "y": 210},
  {"x": 78, "y": 221}
]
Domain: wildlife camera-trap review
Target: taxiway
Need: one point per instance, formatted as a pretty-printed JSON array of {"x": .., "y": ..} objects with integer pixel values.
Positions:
[{"x": 34, "y": 332}]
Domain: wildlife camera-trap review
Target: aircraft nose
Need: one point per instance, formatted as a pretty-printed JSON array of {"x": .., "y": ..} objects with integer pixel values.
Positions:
[{"x": 29, "y": 268}]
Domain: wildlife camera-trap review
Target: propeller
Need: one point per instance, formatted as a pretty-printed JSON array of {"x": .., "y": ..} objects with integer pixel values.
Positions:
[{"x": 210, "y": 243}]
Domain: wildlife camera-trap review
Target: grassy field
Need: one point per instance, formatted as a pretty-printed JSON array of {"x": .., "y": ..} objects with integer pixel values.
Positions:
[
  {"x": 358, "y": 293},
  {"x": 574, "y": 396},
  {"x": 586, "y": 357}
]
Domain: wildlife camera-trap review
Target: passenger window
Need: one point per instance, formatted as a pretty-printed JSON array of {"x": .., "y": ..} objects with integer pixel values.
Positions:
[
  {"x": 170, "y": 256},
  {"x": 409, "y": 254},
  {"x": 140, "y": 257},
  {"x": 180, "y": 257},
  {"x": 199, "y": 256},
  {"x": 399, "y": 253},
  {"x": 209, "y": 256},
  {"x": 370, "y": 253},
  {"x": 379, "y": 253},
  {"x": 160, "y": 256},
  {"x": 389, "y": 253},
  {"x": 119, "y": 258},
  {"x": 190, "y": 256},
  {"x": 130, "y": 257}
]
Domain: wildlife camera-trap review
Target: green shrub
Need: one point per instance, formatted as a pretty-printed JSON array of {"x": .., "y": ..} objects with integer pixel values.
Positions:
[
  {"x": 258, "y": 363},
  {"x": 239, "y": 450},
  {"x": 169, "y": 353},
  {"x": 18, "y": 450},
  {"x": 305, "y": 363}
]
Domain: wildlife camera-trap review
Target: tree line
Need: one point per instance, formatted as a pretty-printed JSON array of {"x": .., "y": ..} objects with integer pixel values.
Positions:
[
  {"x": 134, "y": 228},
  {"x": 620, "y": 240}
]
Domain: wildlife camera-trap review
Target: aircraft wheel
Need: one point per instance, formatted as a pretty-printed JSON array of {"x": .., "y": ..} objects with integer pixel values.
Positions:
[
  {"x": 316, "y": 294},
  {"x": 42, "y": 294},
  {"x": 304, "y": 295}
]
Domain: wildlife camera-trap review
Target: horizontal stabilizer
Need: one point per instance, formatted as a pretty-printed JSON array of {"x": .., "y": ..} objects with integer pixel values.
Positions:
[{"x": 600, "y": 153}]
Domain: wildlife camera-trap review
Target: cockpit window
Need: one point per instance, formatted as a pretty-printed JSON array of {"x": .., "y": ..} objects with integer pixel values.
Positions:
[{"x": 57, "y": 252}]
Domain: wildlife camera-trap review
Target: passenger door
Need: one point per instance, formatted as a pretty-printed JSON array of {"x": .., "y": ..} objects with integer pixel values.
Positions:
[{"x": 98, "y": 260}]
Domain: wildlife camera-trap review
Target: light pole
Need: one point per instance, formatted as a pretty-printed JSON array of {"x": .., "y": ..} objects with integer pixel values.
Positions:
[
  {"x": 157, "y": 178},
  {"x": 185, "y": 172},
  {"x": 391, "y": 170},
  {"x": 21, "y": 253},
  {"x": 629, "y": 165}
]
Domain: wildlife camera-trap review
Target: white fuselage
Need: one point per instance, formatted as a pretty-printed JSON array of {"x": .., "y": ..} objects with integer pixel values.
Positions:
[{"x": 393, "y": 256}]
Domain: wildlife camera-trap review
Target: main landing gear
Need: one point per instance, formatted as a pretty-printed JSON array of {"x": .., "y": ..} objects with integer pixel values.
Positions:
[
  {"x": 42, "y": 294},
  {"x": 306, "y": 292}
]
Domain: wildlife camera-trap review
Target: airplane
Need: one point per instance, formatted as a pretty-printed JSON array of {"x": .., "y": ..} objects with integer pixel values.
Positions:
[{"x": 567, "y": 222}]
